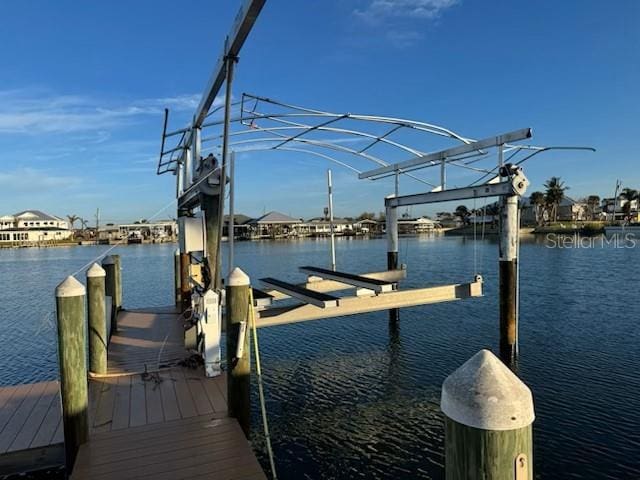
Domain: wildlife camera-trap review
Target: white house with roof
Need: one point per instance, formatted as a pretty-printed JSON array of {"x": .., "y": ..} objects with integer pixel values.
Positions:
[
  {"x": 33, "y": 227},
  {"x": 273, "y": 225}
]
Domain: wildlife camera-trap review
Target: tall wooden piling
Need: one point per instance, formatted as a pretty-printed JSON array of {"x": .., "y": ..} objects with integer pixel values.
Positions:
[
  {"x": 176, "y": 276},
  {"x": 97, "y": 319},
  {"x": 238, "y": 350},
  {"x": 118, "y": 298},
  {"x": 508, "y": 284},
  {"x": 111, "y": 288},
  {"x": 70, "y": 296},
  {"x": 488, "y": 422},
  {"x": 185, "y": 283},
  {"x": 211, "y": 208},
  {"x": 391, "y": 220}
]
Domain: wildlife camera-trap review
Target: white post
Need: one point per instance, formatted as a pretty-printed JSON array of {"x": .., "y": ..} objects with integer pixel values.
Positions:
[
  {"x": 210, "y": 326},
  {"x": 195, "y": 150},
  {"x": 333, "y": 239},
  {"x": 186, "y": 176}
]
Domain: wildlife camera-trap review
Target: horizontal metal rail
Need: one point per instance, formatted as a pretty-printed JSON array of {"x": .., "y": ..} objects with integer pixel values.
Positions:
[{"x": 378, "y": 286}]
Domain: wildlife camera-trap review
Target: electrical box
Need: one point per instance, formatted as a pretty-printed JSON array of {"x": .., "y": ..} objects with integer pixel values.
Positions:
[{"x": 192, "y": 234}]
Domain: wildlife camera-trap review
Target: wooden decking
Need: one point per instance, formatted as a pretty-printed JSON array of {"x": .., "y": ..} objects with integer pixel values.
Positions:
[
  {"x": 30, "y": 427},
  {"x": 149, "y": 416}
]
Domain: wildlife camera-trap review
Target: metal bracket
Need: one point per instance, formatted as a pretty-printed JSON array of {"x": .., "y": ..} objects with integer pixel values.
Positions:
[{"x": 521, "y": 467}]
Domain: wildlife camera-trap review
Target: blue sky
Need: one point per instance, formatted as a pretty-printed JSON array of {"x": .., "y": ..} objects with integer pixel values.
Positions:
[{"x": 83, "y": 85}]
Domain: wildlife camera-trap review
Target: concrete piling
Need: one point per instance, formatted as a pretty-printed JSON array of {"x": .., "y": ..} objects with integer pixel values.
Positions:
[
  {"x": 97, "y": 319},
  {"x": 488, "y": 422},
  {"x": 70, "y": 311},
  {"x": 391, "y": 220},
  {"x": 238, "y": 348},
  {"x": 508, "y": 284}
]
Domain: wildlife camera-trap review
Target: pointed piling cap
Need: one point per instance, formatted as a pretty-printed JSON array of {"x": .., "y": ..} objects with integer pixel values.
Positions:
[
  {"x": 95, "y": 271},
  {"x": 70, "y": 288},
  {"x": 483, "y": 393},
  {"x": 109, "y": 260},
  {"x": 238, "y": 278}
]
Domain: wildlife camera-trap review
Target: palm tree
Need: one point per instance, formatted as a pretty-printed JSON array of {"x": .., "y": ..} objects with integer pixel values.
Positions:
[
  {"x": 592, "y": 202},
  {"x": 538, "y": 201},
  {"x": 72, "y": 220},
  {"x": 554, "y": 195},
  {"x": 629, "y": 194},
  {"x": 463, "y": 212}
]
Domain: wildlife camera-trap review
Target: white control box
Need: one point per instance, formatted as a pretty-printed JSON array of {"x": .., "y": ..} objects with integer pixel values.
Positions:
[{"x": 192, "y": 234}]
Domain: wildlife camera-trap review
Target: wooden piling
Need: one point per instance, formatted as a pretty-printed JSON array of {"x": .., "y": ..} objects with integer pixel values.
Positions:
[
  {"x": 210, "y": 205},
  {"x": 97, "y": 319},
  {"x": 488, "y": 422},
  {"x": 391, "y": 220},
  {"x": 70, "y": 296},
  {"x": 508, "y": 284},
  {"x": 185, "y": 284},
  {"x": 118, "y": 297},
  {"x": 176, "y": 276},
  {"x": 239, "y": 369},
  {"x": 111, "y": 287}
]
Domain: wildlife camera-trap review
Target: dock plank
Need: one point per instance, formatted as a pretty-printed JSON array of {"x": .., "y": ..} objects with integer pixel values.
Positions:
[
  {"x": 121, "y": 403},
  {"x": 138, "y": 414},
  {"x": 20, "y": 416},
  {"x": 44, "y": 436},
  {"x": 26, "y": 435},
  {"x": 183, "y": 394},
  {"x": 154, "y": 400},
  {"x": 169, "y": 400}
]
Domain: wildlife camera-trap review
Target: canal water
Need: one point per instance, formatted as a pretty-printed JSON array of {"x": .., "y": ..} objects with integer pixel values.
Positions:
[{"x": 348, "y": 398}]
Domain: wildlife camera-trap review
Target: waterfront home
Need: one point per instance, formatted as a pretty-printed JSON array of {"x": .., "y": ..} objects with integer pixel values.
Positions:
[
  {"x": 32, "y": 227},
  {"x": 620, "y": 209},
  {"x": 569, "y": 210},
  {"x": 241, "y": 226},
  {"x": 417, "y": 225},
  {"x": 273, "y": 225},
  {"x": 157, "y": 231},
  {"x": 449, "y": 220},
  {"x": 367, "y": 226},
  {"x": 320, "y": 227}
]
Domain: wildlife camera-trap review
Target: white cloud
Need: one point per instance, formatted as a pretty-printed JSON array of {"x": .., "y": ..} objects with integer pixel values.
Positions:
[
  {"x": 39, "y": 111},
  {"x": 377, "y": 11},
  {"x": 37, "y": 180}
]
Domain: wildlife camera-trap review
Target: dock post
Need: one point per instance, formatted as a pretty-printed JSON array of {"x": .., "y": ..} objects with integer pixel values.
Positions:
[
  {"x": 185, "y": 284},
  {"x": 211, "y": 208},
  {"x": 118, "y": 298},
  {"x": 97, "y": 319},
  {"x": 488, "y": 422},
  {"x": 176, "y": 275},
  {"x": 111, "y": 287},
  {"x": 391, "y": 220},
  {"x": 70, "y": 296},
  {"x": 508, "y": 284},
  {"x": 238, "y": 351}
]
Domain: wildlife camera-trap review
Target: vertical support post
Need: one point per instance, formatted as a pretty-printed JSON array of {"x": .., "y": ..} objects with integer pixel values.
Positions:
[
  {"x": 391, "y": 216},
  {"x": 508, "y": 273},
  {"x": 118, "y": 299},
  {"x": 70, "y": 296},
  {"x": 443, "y": 174},
  {"x": 238, "y": 351},
  {"x": 196, "y": 148},
  {"x": 185, "y": 284},
  {"x": 177, "y": 279},
  {"x": 188, "y": 169},
  {"x": 97, "y": 319},
  {"x": 488, "y": 422},
  {"x": 111, "y": 287},
  {"x": 231, "y": 234},
  {"x": 332, "y": 233}
]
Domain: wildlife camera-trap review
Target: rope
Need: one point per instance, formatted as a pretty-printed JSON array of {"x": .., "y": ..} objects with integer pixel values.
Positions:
[{"x": 263, "y": 407}]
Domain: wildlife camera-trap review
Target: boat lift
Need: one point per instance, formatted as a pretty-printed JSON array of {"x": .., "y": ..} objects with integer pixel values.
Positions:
[{"x": 257, "y": 123}]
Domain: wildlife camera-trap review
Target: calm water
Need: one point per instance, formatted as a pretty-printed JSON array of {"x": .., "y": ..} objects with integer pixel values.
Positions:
[{"x": 347, "y": 398}]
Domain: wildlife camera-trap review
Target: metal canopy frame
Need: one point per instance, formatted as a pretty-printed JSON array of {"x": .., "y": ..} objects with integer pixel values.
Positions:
[{"x": 356, "y": 142}]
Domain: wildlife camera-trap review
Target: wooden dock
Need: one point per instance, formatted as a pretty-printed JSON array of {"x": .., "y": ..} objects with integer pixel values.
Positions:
[{"x": 149, "y": 416}]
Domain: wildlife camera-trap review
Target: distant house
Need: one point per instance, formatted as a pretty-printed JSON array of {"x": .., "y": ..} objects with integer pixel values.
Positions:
[
  {"x": 449, "y": 220},
  {"x": 31, "y": 227},
  {"x": 417, "y": 225},
  {"x": 273, "y": 225},
  {"x": 319, "y": 226},
  {"x": 569, "y": 210},
  {"x": 367, "y": 226},
  {"x": 241, "y": 226},
  {"x": 608, "y": 209}
]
